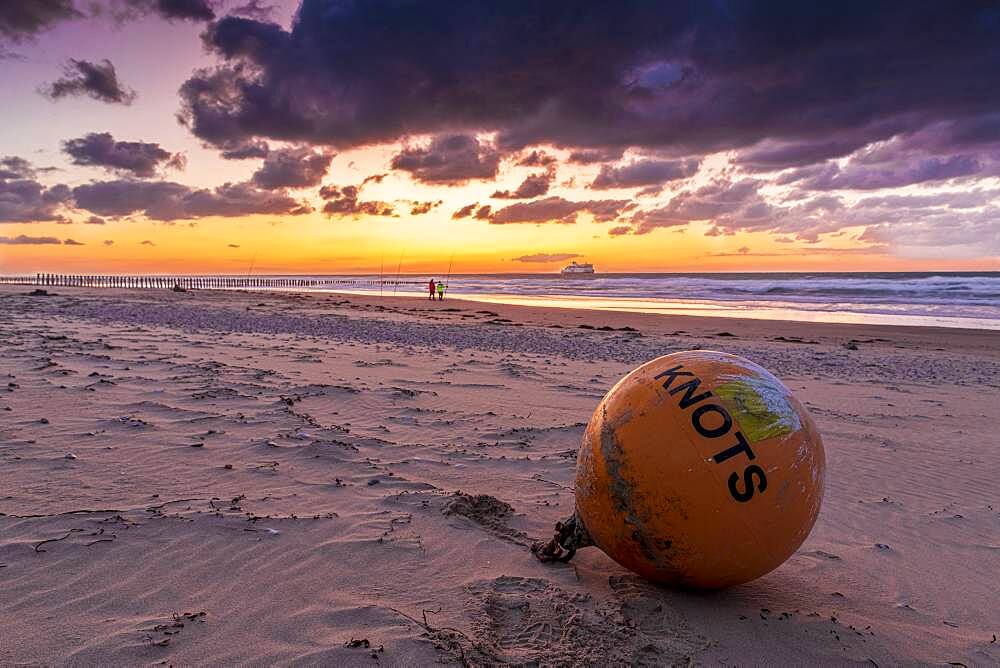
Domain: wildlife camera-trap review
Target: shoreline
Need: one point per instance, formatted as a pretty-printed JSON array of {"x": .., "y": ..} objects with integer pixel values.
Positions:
[
  {"x": 605, "y": 316},
  {"x": 740, "y": 310},
  {"x": 916, "y": 299},
  {"x": 307, "y": 469}
]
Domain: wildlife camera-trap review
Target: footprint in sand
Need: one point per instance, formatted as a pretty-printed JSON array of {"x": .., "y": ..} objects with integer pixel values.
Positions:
[
  {"x": 663, "y": 634},
  {"x": 531, "y": 620},
  {"x": 528, "y": 620}
]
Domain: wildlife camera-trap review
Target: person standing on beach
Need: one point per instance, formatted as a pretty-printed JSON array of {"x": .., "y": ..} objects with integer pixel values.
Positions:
[
  {"x": 430, "y": 290},
  {"x": 440, "y": 287}
]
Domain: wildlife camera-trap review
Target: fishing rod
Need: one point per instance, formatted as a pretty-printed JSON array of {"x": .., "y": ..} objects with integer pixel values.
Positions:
[
  {"x": 250, "y": 270},
  {"x": 398, "y": 268},
  {"x": 381, "y": 269},
  {"x": 450, "y": 263}
]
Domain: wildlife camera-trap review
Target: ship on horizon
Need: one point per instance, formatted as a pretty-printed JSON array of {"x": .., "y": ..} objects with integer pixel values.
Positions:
[{"x": 577, "y": 269}]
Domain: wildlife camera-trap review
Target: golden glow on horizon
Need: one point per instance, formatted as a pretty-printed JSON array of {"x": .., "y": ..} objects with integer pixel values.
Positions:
[{"x": 314, "y": 243}]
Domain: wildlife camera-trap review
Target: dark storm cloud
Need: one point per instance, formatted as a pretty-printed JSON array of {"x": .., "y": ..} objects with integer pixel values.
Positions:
[
  {"x": 534, "y": 185},
  {"x": 95, "y": 220},
  {"x": 542, "y": 258},
  {"x": 134, "y": 158},
  {"x": 73, "y": 242},
  {"x": 96, "y": 80},
  {"x": 450, "y": 159},
  {"x": 298, "y": 167},
  {"x": 25, "y": 200},
  {"x": 171, "y": 10},
  {"x": 644, "y": 173},
  {"x": 24, "y": 240},
  {"x": 254, "y": 9},
  {"x": 689, "y": 77},
  {"x": 344, "y": 202},
  {"x": 559, "y": 210},
  {"x": 166, "y": 200},
  {"x": 21, "y": 19},
  {"x": 194, "y": 10}
]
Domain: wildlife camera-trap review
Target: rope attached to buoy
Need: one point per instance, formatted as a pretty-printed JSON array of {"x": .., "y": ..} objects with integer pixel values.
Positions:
[{"x": 570, "y": 535}]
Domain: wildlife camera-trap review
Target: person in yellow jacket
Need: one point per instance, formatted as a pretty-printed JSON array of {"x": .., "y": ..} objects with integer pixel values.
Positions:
[{"x": 440, "y": 289}]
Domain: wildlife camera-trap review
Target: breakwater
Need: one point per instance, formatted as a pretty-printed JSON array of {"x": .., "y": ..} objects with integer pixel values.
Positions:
[{"x": 198, "y": 282}]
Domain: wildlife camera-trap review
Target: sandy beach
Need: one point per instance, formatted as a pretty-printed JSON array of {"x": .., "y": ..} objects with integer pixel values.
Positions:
[{"x": 277, "y": 478}]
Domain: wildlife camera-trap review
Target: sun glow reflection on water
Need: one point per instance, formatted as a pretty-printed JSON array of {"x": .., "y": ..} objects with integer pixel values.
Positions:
[{"x": 752, "y": 310}]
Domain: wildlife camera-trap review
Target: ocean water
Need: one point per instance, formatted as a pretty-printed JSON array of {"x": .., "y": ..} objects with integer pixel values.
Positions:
[{"x": 948, "y": 299}]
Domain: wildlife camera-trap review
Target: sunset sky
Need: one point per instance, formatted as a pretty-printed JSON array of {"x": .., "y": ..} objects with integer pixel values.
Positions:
[{"x": 334, "y": 136}]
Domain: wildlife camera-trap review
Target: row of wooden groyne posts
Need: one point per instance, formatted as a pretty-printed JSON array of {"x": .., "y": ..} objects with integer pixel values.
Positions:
[{"x": 199, "y": 282}]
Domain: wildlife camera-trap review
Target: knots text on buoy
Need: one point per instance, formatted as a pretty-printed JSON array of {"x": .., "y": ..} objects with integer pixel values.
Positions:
[{"x": 698, "y": 469}]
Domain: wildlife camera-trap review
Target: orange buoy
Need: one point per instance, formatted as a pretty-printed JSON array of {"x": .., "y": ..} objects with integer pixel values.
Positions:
[{"x": 698, "y": 469}]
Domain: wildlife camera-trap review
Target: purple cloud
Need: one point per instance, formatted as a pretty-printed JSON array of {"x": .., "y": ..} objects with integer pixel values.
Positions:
[
  {"x": 684, "y": 76},
  {"x": 166, "y": 200},
  {"x": 22, "y": 20},
  {"x": 96, "y": 80},
  {"x": 134, "y": 158},
  {"x": 253, "y": 9},
  {"x": 246, "y": 150},
  {"x": 450, "y": 160},
  {"x": 344, "y": 202},
  {"x": 192, "y": 10},
  {"x": 14, "y": 167},
  {"x": 534, "y": 185},
  {"x": 858, "y": 176},
  {"x": 24, "y": 240},
  {"x": 543, "y": 258},
  {"x": 298, "y": 167},
  {"x": 644, "y": 173},
  {"x": 25, "y": 200},
  {"x": 559, "y": 210},
  {"x": 593, "y": 156},
  {"x": 537, "y": 158}
]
